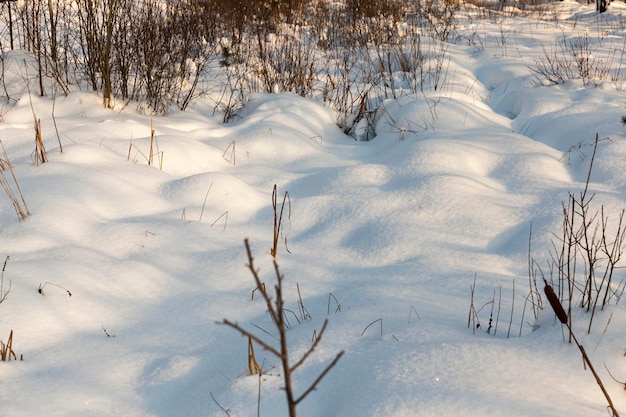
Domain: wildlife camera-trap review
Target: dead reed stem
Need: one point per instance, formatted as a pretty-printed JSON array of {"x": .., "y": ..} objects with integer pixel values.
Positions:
[
  {"x": 4, "y": 293},
  {"x": 562, "y": 316},
  {"x": 278, "y": 219},
  {"x": 40, "y": 150},
  {"x": 253, "y": 365},
  {"x": 371, "y": 324},
  {"x": 206, "y": 196},
  {"x": 20, "y": 206},
  {"x": 6, "y": 349}
]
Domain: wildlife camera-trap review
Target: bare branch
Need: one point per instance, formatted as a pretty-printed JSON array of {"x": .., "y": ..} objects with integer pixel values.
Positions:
[
  {"x": 319, "y": 378},
  {"x": 311, "y": 349},
  {"x": 244, "y": 332}
]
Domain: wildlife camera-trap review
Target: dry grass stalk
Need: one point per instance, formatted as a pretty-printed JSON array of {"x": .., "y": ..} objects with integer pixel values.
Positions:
[
  {"x": 42, "y": 286},
  {"x": 227, "y": 412},
  {"x": 152, "y": 139},
  {"x": 304, "y": 313},
  {"x": 6, "y": 349},
  {"x": 372, "y": 323},
  {"x": 54, "y": 121},
  {"x": 411, "y": 310},
  {"x": 338, "y": 308},
  {"x": 154, "y": 150},
  {"x": 253, "y": 365},
  {"x": 472, "y": 316},
  {"x": 40, "y": 150},
  {"x": 230, "y": 159},
  {"x": 19, "y": 204},
  {"x": 278, "y": 219},
  {"x": 4, "y": 293},
  {"x": 508, "y": 333},
  {"x": 206, "y": 196},
  {"x": 225, "y": 216}
]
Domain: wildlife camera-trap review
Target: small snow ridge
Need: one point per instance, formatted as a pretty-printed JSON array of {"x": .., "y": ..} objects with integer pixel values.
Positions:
[{"x": 171, "y": 369}]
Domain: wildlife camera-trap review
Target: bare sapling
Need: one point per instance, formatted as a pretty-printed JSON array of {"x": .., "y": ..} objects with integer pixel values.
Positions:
[{"x": 277, "y": 310}]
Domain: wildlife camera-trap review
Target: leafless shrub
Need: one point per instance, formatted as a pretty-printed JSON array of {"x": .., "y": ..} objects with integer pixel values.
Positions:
[
  {"x": 154, "y": 52},
  {"x": 284, "y": 62},
  {"x": 345, "y": 90},
  {"x": 573, "y": 59},
  {"x": 437, "y": 19},
  {"x": 587, "y": 253}
]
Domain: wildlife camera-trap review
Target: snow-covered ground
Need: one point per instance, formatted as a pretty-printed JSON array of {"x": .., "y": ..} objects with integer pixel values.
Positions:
[{"x": 392, "y": 232}]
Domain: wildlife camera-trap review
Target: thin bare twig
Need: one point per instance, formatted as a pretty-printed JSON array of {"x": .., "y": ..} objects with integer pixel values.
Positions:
[{"x": 277, "y": 312}]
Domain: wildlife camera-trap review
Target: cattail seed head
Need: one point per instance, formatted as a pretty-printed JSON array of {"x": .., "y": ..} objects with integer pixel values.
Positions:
[{"x": 555, "y": 303}]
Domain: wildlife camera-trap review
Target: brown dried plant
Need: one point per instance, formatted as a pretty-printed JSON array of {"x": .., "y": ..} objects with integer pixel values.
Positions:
[{"x": 277, "y": 311}]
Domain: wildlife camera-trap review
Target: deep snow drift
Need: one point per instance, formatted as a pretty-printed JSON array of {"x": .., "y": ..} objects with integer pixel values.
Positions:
[{"x": 395, "y": 229}]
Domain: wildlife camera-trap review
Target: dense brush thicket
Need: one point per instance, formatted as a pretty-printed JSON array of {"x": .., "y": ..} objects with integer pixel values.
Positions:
[{"x": 350, "y": 54}]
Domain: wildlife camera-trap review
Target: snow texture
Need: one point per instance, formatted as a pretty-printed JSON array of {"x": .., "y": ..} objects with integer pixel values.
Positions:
[{"x": 396, "y": 229}]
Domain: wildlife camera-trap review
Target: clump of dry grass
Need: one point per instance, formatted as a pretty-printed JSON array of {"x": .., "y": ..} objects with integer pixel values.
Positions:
[
  {"x": 6, "y": 350},
  {"x": 152, "y": 152},
  {"x": 11, "y": 187}
]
